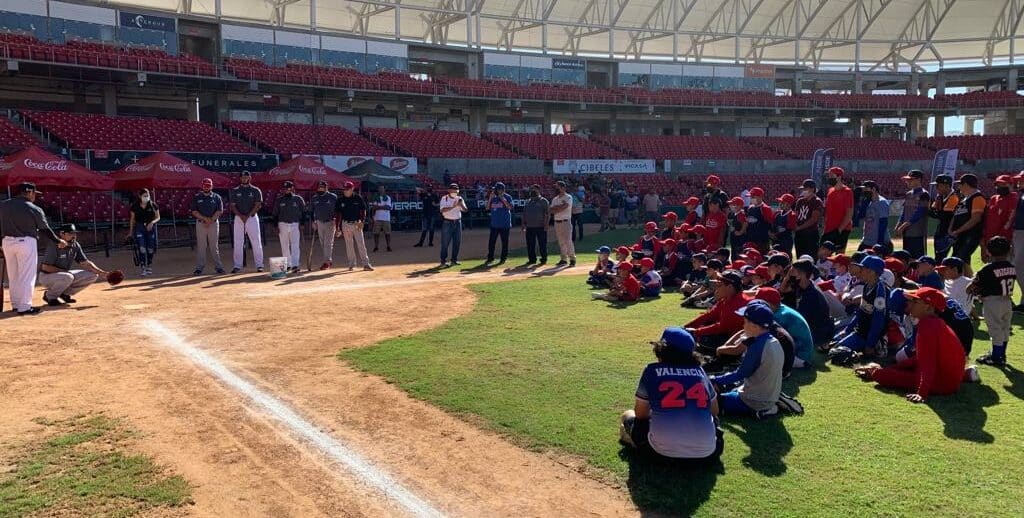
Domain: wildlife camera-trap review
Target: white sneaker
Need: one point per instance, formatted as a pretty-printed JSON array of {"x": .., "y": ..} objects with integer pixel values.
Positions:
[{"x": 972, "y": 374}]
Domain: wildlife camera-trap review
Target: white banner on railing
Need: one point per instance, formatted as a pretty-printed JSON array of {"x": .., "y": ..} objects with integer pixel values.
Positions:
[
  {"x": 402, "y": 164},
  {"x": 603, "y": 166}
]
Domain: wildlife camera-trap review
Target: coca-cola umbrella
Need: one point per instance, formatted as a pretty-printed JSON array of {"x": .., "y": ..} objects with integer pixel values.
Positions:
[
  {"x": 165, "y": 171},
  {"x": 49, "y": 171},
  {"x": 304, "y": 172}
]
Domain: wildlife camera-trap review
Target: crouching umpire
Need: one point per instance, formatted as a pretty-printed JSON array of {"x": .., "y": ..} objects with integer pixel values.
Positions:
[{"x": 59, "y": 278}]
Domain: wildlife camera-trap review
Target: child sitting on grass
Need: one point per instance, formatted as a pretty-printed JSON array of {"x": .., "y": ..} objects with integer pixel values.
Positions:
[
  {"x": 955, "y": 283},
  {"x": 650, "y": 279},
  {"x": 603, "y": 272},
  {"x": 704, "y": 295},
  {"x": 626, "y": 287}
]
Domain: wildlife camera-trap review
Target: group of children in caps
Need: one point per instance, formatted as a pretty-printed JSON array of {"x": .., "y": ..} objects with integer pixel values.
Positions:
[{"x": 906, "y": 323}]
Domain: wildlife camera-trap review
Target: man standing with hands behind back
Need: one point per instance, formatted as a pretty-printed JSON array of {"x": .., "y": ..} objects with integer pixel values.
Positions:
[
  {"x": 452, "y": 206},
  {"x": 913, "y": 224},
  {"x": 21, "y": 220},
  {"x": 535, "y": 225},
  {"x": 323, "y": 204},
  {"x": 351, "y": 212},
  {"x": 561, "y": 209},
  {"x": 245, "y": 202},
  {"x": 839, "y": 211},
  {"x": 288, "y": 209},
  {"x": 207, "y": 206}
]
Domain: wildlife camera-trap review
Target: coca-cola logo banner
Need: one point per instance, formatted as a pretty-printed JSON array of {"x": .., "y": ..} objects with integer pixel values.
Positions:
[
  {"x": 49, "y": 165},
  {"x": 180, "y": 167}
]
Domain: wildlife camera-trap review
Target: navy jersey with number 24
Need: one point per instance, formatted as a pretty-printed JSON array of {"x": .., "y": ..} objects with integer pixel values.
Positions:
[{"x": 681, "y": 422}]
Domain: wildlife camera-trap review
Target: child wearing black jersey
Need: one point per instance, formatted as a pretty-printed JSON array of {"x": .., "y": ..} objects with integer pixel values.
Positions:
[{"x": 994, "y": 285}]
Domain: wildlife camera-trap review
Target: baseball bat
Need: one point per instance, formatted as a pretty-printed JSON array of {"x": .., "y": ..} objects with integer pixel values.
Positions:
[{"x": 309, "y": 256}]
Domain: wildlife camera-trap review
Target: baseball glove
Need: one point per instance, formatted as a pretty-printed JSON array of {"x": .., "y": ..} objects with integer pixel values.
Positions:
[{"x": 115, "y": 277}]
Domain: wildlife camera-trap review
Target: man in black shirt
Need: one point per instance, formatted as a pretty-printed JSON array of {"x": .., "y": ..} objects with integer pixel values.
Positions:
[
  {"x": 429, "y": 202},
  {"x": 350, "y": 214}
]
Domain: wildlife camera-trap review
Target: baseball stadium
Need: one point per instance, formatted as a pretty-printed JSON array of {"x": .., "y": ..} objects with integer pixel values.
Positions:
[{"x": 488, "y": 258}]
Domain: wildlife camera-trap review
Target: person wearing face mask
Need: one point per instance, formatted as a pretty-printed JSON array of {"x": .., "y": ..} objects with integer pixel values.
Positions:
[
  {"x": 535, "y": 225},
  {"x": 499, "y": 203},
  {"x": 876, "y": 218},
  {"x": 966, "y": 226},
  {"x": 760, "y": 219},
  {"x": 322, "y": 204},
  {"x": 245, "y": 201},
  {"x": 713, "y": 191},
  {"x": 143, "y": 216},
  {"x": 999, "y": 216},
  {"x": 58, "y": 275},
  {"x": 808, "y": 214},
  {"x": 941, "y": 209},
  {"x": 288, "y": 210},
  {"x": 207, "y": 207},
  {"x": 452, "y": 206},
  {"x": 838, "y": 210},
  {"x": 21, "y": 222},
  {"x": 913, "y": 225}
]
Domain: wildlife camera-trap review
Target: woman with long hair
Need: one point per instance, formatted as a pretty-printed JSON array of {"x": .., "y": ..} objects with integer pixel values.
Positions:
[{"x": 143, "y": 217}]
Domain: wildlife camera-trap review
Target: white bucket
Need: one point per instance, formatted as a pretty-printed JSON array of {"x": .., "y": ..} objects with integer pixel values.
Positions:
[{"x": 278, "y": 267}]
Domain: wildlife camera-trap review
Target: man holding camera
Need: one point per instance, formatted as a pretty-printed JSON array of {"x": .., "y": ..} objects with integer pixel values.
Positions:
[{"x": 500, "y": 204}]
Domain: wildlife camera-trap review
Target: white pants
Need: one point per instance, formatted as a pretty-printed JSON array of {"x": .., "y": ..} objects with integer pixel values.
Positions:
[
  {"x": 65, "y": 283},
  {"x": 355, "y": 245},
  {"x": 325, "y": 231},
  {"x": 22, "y": 259},
  {"x": 563, "y": 232},
  {"x": 250, "y": 228},
  {"x": 291, "y": 240}
]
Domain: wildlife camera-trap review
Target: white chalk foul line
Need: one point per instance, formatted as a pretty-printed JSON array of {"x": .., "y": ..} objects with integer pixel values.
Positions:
[
  {"x": 283, "y": 291},
  {"x": 353, "y": 462}
]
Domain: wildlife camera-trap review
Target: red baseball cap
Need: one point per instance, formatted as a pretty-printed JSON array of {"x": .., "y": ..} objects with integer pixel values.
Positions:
[
  {"x": 762, "y": 272},
  {"x": 836, "y": 170},
  {"x": 693, "y": 200},
  {"x": 713, "y": 180},
  {"x": 647, "y": 262},
  {"x": 930, "y": 296},
  {"x": 895, "y": 265},
  {"x": 348, "y": 185},
  {"x": 736, "y": 201},
  {"x": 670, "y": 215},
  {"x": 769, "y": 295},
  {"x": 736, "y": 265},
  {"x": 669, "y": 242},
  {"x": 1004, "y": 178},
  {"x": 624, "y": 265},
  {"x": 757, "y": 192},
  {"x": 622, "y": 250},
  {"x": 650, "y": 225},
  {"x": 699, "y": 229},
  {"x": 842, "y": 259},
  {"x": 636, "y": 248},
  {"x": 786, "y": 198}
]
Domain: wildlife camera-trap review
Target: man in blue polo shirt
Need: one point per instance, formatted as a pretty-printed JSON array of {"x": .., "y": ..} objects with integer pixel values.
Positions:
[{"x": 500, "y": 204}]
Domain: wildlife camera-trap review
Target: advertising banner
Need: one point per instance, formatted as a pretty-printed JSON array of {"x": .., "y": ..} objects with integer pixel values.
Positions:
[
  {"x": 147, "y": 21},
  {"x": 402, "y": 164},
  {"x": 103, "y": 160},
  {"x": 603, "y": 166}
]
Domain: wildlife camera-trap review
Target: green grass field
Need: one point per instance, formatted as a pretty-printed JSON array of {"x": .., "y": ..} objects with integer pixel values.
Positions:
[
  {"x": 541, "y": 363},
  {"x": 80, "y": 469}
]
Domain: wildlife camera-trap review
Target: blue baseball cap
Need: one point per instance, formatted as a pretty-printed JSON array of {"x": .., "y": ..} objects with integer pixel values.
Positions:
[
  {"x": 927, "y": 259},
  {"x": 678, "y": 339},
  {"x": 953, "y": 262},
  {"x": 758, "y": 312},
  {"x": 499, "y": 186},
  {"x": 873, "y": 263},
  {"x": 897, "y": 301},
  {"x": 604, "y": 250}
]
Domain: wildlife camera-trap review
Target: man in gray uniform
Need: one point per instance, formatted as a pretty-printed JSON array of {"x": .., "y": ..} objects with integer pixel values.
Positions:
[
  {"x": 245, "y": 201},
  {"x": 913, "y": 224},
  {"x": 207, "y": 206},
  {"x": 288, "y": 210},
  {"x": 535, "y": 224},
  {"x": 323, "y": 203},
  {"x": 57, "y": 276},
  {"x": 21, "y": 221}
]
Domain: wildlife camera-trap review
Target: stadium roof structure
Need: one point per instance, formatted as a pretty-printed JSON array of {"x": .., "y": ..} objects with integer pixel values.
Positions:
[{"x": 856, "y": 34}]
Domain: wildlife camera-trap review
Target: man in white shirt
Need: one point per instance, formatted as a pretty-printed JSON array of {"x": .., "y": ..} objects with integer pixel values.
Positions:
[
  {"x": 452, "y": 206},
  {"x": 561, "y": 209},
  {"x": 381, "y": 208}
]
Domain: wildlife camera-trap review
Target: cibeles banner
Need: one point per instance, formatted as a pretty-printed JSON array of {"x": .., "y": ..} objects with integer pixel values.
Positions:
[
  {"x": 603, "y": 166},
  {"x": 402, "y": 164}
]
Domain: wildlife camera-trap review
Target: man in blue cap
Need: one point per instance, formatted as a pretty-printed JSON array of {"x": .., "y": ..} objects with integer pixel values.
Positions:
[
  {"x": 760, "y": 372},
  {"x": 866, "y": 333},
  {"x": 675, "y": 413},
  {"x": 500, "y": 204},
  {"x": 927, "y": 277}
]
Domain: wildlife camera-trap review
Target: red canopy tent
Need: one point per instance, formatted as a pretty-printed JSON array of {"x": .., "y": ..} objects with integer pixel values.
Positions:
[
  {"x": 49, "y": 171},
  {"x": 165, "y": 171},
  {"x": 304, "y": 172}
]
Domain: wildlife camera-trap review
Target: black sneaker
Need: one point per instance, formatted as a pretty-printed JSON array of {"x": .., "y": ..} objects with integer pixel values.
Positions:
[
  {"x": 389, "y": 249},
  {"x": 374, "y": 249},
  {"x": 418, "y": 245},
  {"x": 572, "y": 263},
  {"x": 220, "y": 271},
  {"x": 28, "y": 312},
  {"x": 198, "y": 271},
  {"x": 53, "y": 302},
  {"x": 456, "y": 263},
  {"x": 68, "y": 299},
  {"x": 236, "y": 270},
  {"x": 431, "y": 244},
  {"x": 259, "y": 269},
  {"x": 994, "y": 361},
  {"x": 561, "y": 263}
]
